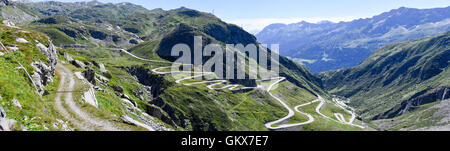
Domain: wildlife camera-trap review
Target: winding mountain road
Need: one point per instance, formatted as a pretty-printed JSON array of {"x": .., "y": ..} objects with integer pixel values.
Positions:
[{"x": 270, "y": 125}]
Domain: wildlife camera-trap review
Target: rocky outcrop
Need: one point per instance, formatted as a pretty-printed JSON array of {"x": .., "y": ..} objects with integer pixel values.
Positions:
[
  {"x": 78, "y": 64},
  {"x": 89, "y": 74},
  {"x": 4, "y": 2},
  {"x": 5, "y": 123},
  {"x": 102, "y": 69},
  {"x": 89, "y": 98},
  {"x": 21, "y": 40},
  {"x": 68, "y": 57},
  {"x": 16, "y": 103},
  {"x": 101, "y": 66},
  {"x": 128, "y": 120},
  {"x": 157, "y": 83},
  {"x": 43, "y": 74},
  {"x": 145, "y": 118},
  {"x": 421, "y": 98},
  {"x": 9, "y": 23},
  {"x": 158, "y": 113},
  {"x": 117, "y": 88},
  {"x": 142, "y": 93},
  {"x": 154, "y": 85},
  {"x": 175, "y": 115},
  {"x": 102, "y": 79}
]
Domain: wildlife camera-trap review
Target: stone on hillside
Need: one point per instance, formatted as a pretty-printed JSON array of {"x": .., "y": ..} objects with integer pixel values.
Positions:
[
  {"x": 139, "y": 93},
  {"x": 97, "y": 88},
  {"x": 125, "y": 96},
  {"x": 117, "y": 88},
  {"x": 88, "y": 64},
  {"x": 21, "y": 40},
  {"x": 78, "y": 64},
  {"x": 128, "y": 120},
  {"x": 68, "y": 57},
  {"x": 1, "y": 53},
  {"x": 89, "y": 98},
  {"x": 8, "y": 23},
  {"x": 79, "y": 75},
  {"x": 17, "y": 103},
  {"x": 5, "y": 123},
  {"x": 102, "y": 68},
  {"x": 51, "y": 53},
  {"x": 43, "y": 75},
  {"x": 108, "y": 75},
  {"x": 90, "y": 76},
  {"x": 14, "y": 49},
  {"x": 102, "y": 78}
]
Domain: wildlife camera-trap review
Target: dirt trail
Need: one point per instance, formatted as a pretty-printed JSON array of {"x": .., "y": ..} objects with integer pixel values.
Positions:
[{"x": 82, "y": 119}]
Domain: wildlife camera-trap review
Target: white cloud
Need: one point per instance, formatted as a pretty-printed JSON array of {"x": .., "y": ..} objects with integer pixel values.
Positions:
[{"x": 255, "y": 25}]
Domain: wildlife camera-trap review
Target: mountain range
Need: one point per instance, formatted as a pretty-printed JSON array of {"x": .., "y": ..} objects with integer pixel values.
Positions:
[
  {"x": 103, "y": 66},
  {"x": 326, "y": 46},
  {"x": 396, "y": 79},
  {"x": 118, "y": 49}
]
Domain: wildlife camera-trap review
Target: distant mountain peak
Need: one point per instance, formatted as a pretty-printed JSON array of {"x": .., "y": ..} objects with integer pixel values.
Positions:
[
  {"x": 325, "y": 22},
  {"x": 351, "y": 42},
  {"x": 94, "y": 2}
]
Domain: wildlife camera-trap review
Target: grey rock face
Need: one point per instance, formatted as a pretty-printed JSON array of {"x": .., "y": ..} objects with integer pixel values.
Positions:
[
  {"x": 50, "y": 53},
  {"x": 17, "y": 103},
  {"x": 154, "y": 85},
  {"x": 141, "y": 94},
  {"x": 101, "y": 66},
  {"x": 5, "y": 123},
  {"x": 117, "y": 88},
  {"x": 21, "y": 40},
  {"x": 8, "y": 23},
  {"x": 43, "y": 75},
  {"x": 102, "y": 78},
  {"x": 78, "y": 64},
  {"x": 144, "y": 76},
  {"x": 125, "y": 96},
  {"x": 68, "y": 57},
  {"x": 90, "y": 76},
  {"x": 89, "y": 98},
  {"x": 433, "y": 95},
  {"x": 4, "y": 2},
  {"x": 103, "y": 69}
]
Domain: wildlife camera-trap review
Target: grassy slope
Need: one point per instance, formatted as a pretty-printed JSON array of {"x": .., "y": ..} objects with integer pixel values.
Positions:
[
  {"x": 393, "y": 74},
  {"x": 111, "y": 106},
  {"x": 154, "y": 25},
  {"x": 295, "y": 96},
  {"x": 37, "y": 113},
  {"x": 421, "y": 117}
]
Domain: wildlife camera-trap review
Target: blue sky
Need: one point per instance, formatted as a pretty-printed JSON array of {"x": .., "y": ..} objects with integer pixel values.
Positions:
[{"x": 254, "y": 15}]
